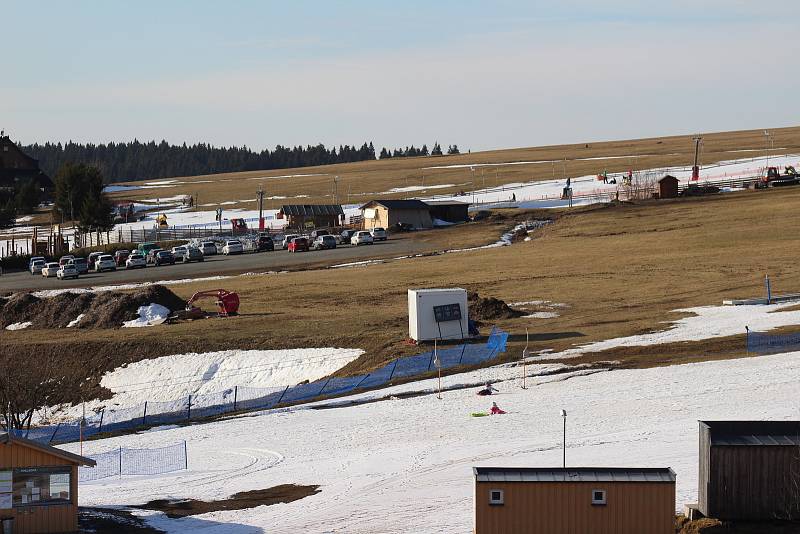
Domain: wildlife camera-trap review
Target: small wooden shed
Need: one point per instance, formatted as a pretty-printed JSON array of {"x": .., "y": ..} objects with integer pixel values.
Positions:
[
  {"x": 312, "y": 215},
  {"x": 576, "y": 499},
  {"x": 449, "y": 210},
  {"x": 387, "y": 213},
  {"x": 749, "y": 469},
  {"x": 668, "y": 187},
  {"x": 38, "y": 486}
]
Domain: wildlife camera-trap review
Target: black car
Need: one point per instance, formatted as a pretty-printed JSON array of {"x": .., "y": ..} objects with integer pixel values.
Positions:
[
  {"x": 265, "y": 243},
  {"x": 344, "y": 237},
  {"x": 164, "y": 257}
]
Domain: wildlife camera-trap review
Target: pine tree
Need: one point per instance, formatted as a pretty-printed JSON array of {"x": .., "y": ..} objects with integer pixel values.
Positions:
[
  {"x": 453, "y": 149},
  {"x": 437, "y": 150},
  {"x": 27, "y": 197}
]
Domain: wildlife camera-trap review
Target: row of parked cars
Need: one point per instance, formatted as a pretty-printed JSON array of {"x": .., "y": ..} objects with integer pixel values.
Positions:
[{"x": 323, "y": 239}]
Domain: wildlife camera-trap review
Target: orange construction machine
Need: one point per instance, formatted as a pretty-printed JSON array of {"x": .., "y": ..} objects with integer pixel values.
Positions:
[{"x": 227, "y": 302}]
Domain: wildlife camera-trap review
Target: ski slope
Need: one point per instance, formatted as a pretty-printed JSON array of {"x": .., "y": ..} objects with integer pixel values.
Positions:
[{"x": 405, "y": 465}]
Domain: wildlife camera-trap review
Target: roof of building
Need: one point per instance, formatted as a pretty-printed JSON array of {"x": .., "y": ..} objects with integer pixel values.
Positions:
[
  {"x": 574, "y": 474},
  {"x": 6, "y": 438},
  {"x": 754, "y": 433},
  {"x": 310, "y": 210},
  {"x": 668, "y": 177},
  {"x": 446, "y": 203},
  {"x": 410, "y": 204}
]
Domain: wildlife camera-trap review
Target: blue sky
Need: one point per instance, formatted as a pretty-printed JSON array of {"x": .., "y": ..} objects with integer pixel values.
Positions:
[{"x": 481, "y": 74}]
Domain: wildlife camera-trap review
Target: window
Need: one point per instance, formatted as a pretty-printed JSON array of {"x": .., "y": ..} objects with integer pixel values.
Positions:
[
  {"x": 496, "y": 497},
  {"x": 598, "y": 497},
  {"x": 41, "y": 485}
]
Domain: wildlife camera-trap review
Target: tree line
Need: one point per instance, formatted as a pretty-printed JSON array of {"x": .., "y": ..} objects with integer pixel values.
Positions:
[{"x": 135, "y": 160}]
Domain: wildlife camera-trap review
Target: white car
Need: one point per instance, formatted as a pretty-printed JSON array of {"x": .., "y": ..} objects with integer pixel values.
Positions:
[
  {"x": 288, "y": 239},
  {"x": 208, "y": 248},
  {"x": 233, "y": 247},
  {"x": 378, "y": 234},
  {"x": 361, "y": 238},
  {"x": 50, "y": 270},
  {"x": 67, "y": 270},
  {"x": 37, "y": 266},
  {"x": 135, "y": 261},
  {"x": 180, "y": 253},
  {"x": 105, "y": 263}
]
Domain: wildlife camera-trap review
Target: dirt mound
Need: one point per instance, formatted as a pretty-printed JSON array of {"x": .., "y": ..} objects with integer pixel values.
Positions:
[
  {"x": 100, "y": 310},
  {"x": 487, "y": 309}
]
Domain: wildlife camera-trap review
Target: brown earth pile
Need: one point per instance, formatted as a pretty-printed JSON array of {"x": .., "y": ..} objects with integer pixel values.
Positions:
[
  {"x": 487, "y": 309},
  {"x": 100, "y": 310}
]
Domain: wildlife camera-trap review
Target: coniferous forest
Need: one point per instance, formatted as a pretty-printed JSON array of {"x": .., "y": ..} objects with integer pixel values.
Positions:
[{"x": 134, "y": 160}]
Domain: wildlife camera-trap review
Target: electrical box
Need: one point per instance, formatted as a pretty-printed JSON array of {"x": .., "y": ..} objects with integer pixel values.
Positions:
[{"x": 437, "y": 314}]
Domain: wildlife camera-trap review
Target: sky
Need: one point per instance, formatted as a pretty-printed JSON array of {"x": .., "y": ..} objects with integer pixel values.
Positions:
[{"x": 482, "y": 75}]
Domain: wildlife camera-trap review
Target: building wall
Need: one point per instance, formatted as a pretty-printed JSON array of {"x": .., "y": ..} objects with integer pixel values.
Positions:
[
  {"x": 751, "y": 482},
  {"x": 12, "y": 158},
  {"x": 566, "y": 508},
  {"x": 450, "y": 213},
  {"x": 42, "y": 518},
  {"x": 668, "y": 188}
]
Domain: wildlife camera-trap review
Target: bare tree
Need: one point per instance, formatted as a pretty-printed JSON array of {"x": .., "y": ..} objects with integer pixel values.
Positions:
[{"x": 26, "y": 386}]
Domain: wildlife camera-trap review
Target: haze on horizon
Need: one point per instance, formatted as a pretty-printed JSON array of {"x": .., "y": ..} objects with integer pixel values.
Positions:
[{"x": 482, "y": 75}]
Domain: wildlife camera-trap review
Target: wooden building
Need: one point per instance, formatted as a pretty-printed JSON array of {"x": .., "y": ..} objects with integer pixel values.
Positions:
[
  {"x": 17, "y": 167},
  {"x": 38, "y": 486},
  {"x": 668, "y": 187},
  {"x": 749, "y": 469},
  {"x": 312, "y": 215},
  {"x": 449, "y": 210},
  {"x": 614, "y": 500},
  {"x": 387, "y": 213}
]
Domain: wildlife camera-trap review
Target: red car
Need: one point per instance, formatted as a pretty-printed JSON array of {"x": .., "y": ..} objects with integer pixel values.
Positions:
[
  {"x": 120, "y": 256},
  {"x": 298, "y": 244}
]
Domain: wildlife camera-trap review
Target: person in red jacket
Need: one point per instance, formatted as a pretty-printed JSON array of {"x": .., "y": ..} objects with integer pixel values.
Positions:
[{"x": 496, "y": 409}]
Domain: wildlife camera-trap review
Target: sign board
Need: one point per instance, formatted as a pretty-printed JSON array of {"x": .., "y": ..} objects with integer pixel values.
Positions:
[
  {"x": 6, "y": 489},
  {"x": 447, "y": 312},
  {"x": 369, "y": 213}
]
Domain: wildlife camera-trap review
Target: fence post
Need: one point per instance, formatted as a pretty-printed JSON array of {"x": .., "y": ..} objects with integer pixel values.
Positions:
[
  {"x": 281, "y": 397},
  {"x": 359, "y": 382},
  {"x": 393, "y": 368},
  {"x": 189, "y": 410},
  {"x": 235, "y": 396},
  {"x": 185, "y": 456},
  {"x": 463, "y": 350},
  {"x": 120, "y": 462},
  {"x": 324, "y": 386},
  {"x": 431, "y": 361},
  {"x": 53, "y": 437},
  {"x": 144, "y": 415},
  {"x": 102, "y": 414}
]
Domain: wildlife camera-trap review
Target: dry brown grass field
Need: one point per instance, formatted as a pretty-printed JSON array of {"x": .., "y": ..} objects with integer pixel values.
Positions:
[
  {"x": 359, "y": 182},
  {"x": 618, "y": 269}
]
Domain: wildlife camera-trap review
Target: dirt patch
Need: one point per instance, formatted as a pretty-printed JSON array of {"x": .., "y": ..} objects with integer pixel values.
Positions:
[
  {"x": 238, "y": 501},
  {"x": 713, "y": 526},
  {"x": 100, "y": 310},
  {"x": 489, "y": 308}
]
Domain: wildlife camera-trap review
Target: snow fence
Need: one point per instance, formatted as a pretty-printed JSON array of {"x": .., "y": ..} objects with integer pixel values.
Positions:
[
  {"x": 764, "y": 343},
  {"x": 125, "y": 461},
  {"x": 241, "y": 398}
]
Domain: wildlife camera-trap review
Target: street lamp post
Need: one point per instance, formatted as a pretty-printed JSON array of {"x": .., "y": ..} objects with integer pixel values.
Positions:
[{"x": 564, "y": 449}]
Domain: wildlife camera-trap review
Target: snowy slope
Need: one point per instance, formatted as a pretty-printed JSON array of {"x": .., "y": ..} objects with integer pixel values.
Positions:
[{"x": 404, "y": 465}]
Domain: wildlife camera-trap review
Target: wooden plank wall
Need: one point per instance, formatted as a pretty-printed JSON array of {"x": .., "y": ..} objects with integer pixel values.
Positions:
[{"x": 566, "y": 508}]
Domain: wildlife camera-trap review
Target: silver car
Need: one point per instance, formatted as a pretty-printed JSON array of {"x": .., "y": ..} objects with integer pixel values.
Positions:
[
  {"x": 37, "y": 266},
  {"x": 67, "y": 270},
  {"x": 208, "y": 248}
]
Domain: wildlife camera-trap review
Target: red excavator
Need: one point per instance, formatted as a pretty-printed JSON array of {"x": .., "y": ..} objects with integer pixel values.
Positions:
[{"x": 227, "y": 302}]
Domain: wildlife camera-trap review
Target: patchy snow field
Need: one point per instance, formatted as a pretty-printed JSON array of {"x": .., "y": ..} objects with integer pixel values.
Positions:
[{"x": 405, "y": 465}]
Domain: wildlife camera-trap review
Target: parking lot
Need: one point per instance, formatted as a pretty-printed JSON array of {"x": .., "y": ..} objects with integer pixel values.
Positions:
[{"x": 397, "y": 245}]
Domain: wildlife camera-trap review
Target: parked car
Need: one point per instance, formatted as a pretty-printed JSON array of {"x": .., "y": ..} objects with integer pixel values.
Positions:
[
  {"x": 288, "y": 239},
  {"x": 324, "y": 242},
  {"x": 105, "y": 263},
  {"x": 298, "y": 244},
  {"x": 37, "y": 266},
  {"x": 233, "y": 246},
  {"x": 67, "y": 270},
  {"x": 208, "y": 248},
  {"x": 63, "y": 260},
  {"x": 35, "y": 258},
  {"x": 92, "y": 259},
  {"x": 193, "y": 254},
  {"x": 50, "y": 269},
  {"x": 378, "y": 234},
  {"x": 318, "y": 233},
  {"x": 344, "y": 237},
  {"x": 180, "y": 252},
  {"x": 164, "y": 257},
  {"x": 120, "y": 256},
  {"x": 145, "y": 248},
  {"x": 151, "y": 256},
  {"x": 265, "y": 243},
  {"x": 362, "y": 237},
  {"x": 403, "y": 227},
  {"x": 81, "y": 265},
  {"x": 135, "y": 261}
]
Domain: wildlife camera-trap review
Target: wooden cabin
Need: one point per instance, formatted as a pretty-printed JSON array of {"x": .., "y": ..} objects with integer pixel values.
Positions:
[
  {"x": 510, "y": 500},
  {"x": 668, "y": 187},
  {"x": 387, "y": 213},
  {"x": 38, "y": 486},
  {"x": 749, "y": 469},
  {"x": 17, "y": 167},
  {"x": 307, "y": 216}
]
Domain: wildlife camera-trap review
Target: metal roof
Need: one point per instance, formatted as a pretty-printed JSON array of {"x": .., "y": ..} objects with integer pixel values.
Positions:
[
  {"x": 310, "y": 210},
  {"x": 754, "y": 433},
  {"x": 446, "y": 203},
  {"x": 410, "y": 204},
  {"x": 574, "y": 474},
  {"x": 48, "y": 449}
]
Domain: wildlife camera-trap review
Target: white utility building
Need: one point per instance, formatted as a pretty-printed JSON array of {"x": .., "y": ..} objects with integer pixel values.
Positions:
[{"x": 437, "y": 314}]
